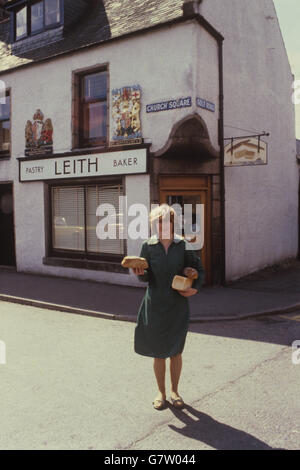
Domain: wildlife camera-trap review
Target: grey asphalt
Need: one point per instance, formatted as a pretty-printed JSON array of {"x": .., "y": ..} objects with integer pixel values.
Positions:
[
  {"x": 74, "y": 382},
  {"x": 269, "y": 291}
]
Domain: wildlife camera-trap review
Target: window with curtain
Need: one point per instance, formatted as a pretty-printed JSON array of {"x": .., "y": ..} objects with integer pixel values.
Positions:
[
  {"x": 35, "y": 17},
  {"x": 5, "y": 125},
  {"x": 108, "y": 195},
  {"x": 52, "y": 12},
  {"x": 93, "y": 109},
  {"x": 21, "y": 23},
  {"x": 68, "y": 218},
  {"x": 75, "y": 219}
]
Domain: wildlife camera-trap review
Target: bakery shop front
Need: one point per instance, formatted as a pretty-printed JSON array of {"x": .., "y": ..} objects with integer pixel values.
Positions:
[
  {"x": 185, "y": 171},
  {"x": 77, "y": 188},
  {"x": 129, "y": 109},
  {"x": 107, "y": 137},
  {"x": 83, "y": 189}
]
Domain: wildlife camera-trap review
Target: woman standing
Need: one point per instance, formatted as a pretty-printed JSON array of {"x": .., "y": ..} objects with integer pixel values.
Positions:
[{"x": 163, "y": 316}]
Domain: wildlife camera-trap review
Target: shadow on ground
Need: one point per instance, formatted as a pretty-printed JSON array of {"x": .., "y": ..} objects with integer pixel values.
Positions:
[
  {"x": 220, "y": 436},
  {"x": 268, "y": 329}
]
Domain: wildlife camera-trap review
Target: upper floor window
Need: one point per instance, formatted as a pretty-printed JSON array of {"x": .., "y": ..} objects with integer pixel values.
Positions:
[
  {"x": 21, "y": 23},
  {"x": 90, "y": 109},
  {"x": 52, "y": 12},
  {"x": 5, "y": 126},
  {"x": 36, "y": 17}
]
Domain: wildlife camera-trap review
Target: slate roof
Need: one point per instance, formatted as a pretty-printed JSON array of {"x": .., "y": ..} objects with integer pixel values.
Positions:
[
  {"x": 91, "y": 21},
  {"x": 298, "y": 148}
]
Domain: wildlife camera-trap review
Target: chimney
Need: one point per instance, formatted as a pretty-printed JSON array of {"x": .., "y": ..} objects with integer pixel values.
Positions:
[
  {"x": 191, "y": 7},
  {"x": 3, "y": 13}
]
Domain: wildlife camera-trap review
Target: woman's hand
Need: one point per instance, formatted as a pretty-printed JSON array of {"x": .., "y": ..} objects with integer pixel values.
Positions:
[
  {"x": 190, "y": 272},
  {"x": 188, "y": 292},
  {"x": 138, "y": 271}
]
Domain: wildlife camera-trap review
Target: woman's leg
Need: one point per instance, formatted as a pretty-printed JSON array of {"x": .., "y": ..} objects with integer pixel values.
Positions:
[
  {"x": 160, "y": 374},
  {"x": 175, "y": 370}
]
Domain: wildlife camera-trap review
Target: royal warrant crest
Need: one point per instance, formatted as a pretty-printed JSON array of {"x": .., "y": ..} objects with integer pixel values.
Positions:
[
  {"x": 38, "y": 135},
  {"x": 126, "y": 106}
]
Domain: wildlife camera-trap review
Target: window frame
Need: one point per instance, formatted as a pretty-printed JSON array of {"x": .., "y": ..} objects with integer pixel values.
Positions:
[
  {"x": 32, "y": 33},
  {"x": 60, "y": 16},
  {"x": 25, "y": 35},
  {"x": 78, "y": 142},
  {"x": 29, "y": 32},
  {"x": 6, "y": 154},
  {"x": 77, "y": 255}
]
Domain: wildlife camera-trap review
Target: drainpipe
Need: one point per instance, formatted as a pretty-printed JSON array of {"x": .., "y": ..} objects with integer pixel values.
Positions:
[
  {"x": 222, "y": 176},
  {"x": 191, "y": 10}
]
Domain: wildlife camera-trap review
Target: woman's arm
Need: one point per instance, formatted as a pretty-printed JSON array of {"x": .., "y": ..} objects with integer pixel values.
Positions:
[
  {"x": 144, "y": 254},
  {"x": 191, "y": 259}
]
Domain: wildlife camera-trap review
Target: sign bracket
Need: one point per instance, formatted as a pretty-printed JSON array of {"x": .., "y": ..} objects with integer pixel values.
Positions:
[{"x": 247, "y": 137}]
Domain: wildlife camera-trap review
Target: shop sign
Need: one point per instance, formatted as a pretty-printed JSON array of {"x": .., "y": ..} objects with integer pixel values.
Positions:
[
  {"x": 201, "y": 103},
  {"x": 246, "y": 151},
  {"x": 111, "y": 163},
  {"x": 167, "y": 105}
]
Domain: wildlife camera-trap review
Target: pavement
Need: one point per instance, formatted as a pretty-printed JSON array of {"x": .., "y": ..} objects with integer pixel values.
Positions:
[{"x": 269, "y": 291}]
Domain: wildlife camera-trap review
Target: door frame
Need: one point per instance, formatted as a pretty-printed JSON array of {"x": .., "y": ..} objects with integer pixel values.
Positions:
[
  {"x": 191, "y": 184},
  {"x": 11, "y": 184}
]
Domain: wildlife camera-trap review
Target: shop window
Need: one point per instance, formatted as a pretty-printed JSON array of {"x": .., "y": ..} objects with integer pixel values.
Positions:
[
  {"x": 74, "y": 220},
  {"x": 68, "y": 218},
  {"x": 35, "y": 17},
  {"x": 5, "y": 125},
  {"x": 90, "y": 109}
]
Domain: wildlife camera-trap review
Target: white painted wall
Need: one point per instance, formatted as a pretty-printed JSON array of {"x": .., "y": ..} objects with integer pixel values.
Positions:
[
  {"x": 261, "y": 201},
  {"x": 180, "y": 61}
]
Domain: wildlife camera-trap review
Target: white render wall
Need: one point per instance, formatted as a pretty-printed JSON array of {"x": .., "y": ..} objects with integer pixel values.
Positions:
[
  {"x": 206, "y": 60},
  {"x": 261, "y": 201},
  {"x": 261, "y": 208},
  {"x": 169, "y": 74}
]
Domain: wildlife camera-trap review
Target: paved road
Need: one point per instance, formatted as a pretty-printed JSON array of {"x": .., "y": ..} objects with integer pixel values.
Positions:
[{"x": 74, "y": 382}]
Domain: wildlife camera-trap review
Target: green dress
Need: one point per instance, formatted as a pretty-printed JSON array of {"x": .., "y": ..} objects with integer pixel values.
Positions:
[{"x": 163, "y": 316}]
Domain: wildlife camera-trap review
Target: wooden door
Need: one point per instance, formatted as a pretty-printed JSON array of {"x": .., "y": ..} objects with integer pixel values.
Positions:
[
  {"x": 191, "y": 190},
  {"x": 7, "y": 232}
]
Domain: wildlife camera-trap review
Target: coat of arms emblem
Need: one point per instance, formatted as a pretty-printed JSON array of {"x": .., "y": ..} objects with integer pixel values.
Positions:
[
  {"x": 38, "y": 135},
  {"x": 126, "y": 106}
]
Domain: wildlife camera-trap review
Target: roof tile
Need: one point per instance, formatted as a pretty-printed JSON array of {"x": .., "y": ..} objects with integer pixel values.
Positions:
[{"x": 92, "y": 21}]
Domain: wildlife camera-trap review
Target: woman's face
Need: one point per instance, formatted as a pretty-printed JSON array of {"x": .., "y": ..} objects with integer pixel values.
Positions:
[{"x": 165, "y": 229}]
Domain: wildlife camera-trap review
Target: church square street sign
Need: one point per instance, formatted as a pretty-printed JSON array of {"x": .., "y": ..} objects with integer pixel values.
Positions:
[{"x": 110, "y": 163}]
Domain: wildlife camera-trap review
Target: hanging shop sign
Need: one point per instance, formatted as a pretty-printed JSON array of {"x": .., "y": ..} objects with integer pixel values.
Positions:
[
  {"x": 245, "y": 151},
  {"x": 167, "y": 105},
  {"x": 111, "y": 163},
  {"x": 126, "y": 119},
  {"x": 38, "y": 135},
  {"x": 204, "y": 104}
]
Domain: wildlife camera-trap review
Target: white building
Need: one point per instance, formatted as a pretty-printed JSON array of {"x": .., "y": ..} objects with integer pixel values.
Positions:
[{"x": 176, "y": 101}]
